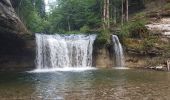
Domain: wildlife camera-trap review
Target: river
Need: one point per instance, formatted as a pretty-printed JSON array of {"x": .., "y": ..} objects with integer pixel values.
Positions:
[{"x": 103, "y": 84}]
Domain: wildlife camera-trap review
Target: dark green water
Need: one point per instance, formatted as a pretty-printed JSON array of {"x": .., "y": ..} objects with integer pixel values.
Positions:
[{"x": 87, "y": 85}]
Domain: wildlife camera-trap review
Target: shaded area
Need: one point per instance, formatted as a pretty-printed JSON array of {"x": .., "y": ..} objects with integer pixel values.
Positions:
[{"x": 15, "y": 50}]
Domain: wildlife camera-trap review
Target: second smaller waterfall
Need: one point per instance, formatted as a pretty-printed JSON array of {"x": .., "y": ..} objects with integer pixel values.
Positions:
[{"x": 118, "y": 51}]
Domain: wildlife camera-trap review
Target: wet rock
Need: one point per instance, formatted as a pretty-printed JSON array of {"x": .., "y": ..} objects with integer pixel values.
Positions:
[
  {"x": 102, "y": 58},
  {"x": 159, "y": 67},
  {"x": 162, "y": 27}
]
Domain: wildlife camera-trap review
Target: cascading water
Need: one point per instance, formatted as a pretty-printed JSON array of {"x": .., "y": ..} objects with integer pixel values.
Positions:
[
  {"x": 64, "y": 51},
  {"x": 118, "y": 51}
]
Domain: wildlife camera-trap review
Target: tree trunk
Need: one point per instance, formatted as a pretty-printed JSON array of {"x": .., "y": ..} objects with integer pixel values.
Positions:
[
  {"x": 104, "y": 15},
  {"x": 68, "y": 20},
  {"x": 122, "y": 20},
  {"x": 127, "y": 10},
  {"x": 108, "y": 14},
  {"x": 115, "y": 15}
]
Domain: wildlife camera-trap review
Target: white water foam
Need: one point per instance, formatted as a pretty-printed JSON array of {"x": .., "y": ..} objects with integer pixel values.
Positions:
[
  {"x": 121, "y": 68},
  {"x": 66, "y": 69}
]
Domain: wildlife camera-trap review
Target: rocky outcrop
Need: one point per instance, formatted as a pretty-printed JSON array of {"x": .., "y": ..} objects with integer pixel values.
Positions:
[
  {"x": 9, "y": 20},
  {"x": 162, "y": 27},
  {"x": 12, "y": 30},
  {"x": 103, "y": 56},
  {"x": 150, "y": 58},
  {"x": 16, "y": 46}
]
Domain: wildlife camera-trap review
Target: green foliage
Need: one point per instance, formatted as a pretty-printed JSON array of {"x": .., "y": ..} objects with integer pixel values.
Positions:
[
  {"x": 72, "y": 15},
  {"x": 34, "y": 23},
  {"x": 167, "y": 6},
  {"x": 150, "y": 41},
  {"x": 103, "y": 38},
  {"x": 141, "y": 15},
  {"x": 67, "y": 15},
  {"x": 149, "y": 45},
  {"x": 85, "y": 29},
  {"x": 135, "y": 29},
  {"x": 40, "y": 7},
  {"x": 72, "y": 32},
  {"x": 30, "y": 15}
]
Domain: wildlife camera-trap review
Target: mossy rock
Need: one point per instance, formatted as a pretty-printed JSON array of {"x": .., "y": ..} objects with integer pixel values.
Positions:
[
  {"x": 103, "y": 38},
  {"x": 151, "y": 46}
]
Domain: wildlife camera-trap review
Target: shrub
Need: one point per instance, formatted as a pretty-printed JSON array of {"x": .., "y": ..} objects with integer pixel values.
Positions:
[
  {"x": 72, "y": 32},
  {"x": 85, "y": 29},
  {"x": 103, "y": 38},
  {"x": 166, "y": 6},
  {"x": 135, "y": 29}
]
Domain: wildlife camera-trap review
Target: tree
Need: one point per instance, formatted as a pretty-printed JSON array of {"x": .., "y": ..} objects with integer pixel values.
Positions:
[
  {"x": 40, "y": 7},
  {"x": 32, "y": 13},
  {"x": 106, "y": 14},
  {"x": 70, "y": 15},
  {"x": 127, "y": 10},
  {"x": 122, "y": 20}
]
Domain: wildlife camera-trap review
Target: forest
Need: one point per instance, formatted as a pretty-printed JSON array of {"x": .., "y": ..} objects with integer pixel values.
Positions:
[{"x": 75, "y": 15}]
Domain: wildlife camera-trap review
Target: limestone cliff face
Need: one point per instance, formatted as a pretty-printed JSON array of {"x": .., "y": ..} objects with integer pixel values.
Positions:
[
  {"x": 103, "y": 56},
  {"x": 11, "y": 28},
  {"x": 16, "y": 50},
  {"x": 9, "y": 20}
]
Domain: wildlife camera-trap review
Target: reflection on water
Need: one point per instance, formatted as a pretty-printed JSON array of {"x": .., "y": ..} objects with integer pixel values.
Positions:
[{"x": 87, "y": 85}]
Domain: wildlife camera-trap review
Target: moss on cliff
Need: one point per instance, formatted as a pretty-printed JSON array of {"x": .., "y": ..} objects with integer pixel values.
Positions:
[{"x": 103, "y": 38}]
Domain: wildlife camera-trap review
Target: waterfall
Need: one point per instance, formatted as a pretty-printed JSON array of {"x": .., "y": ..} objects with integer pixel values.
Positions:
[
  {"x": 118, "y": 51},
  {"x": 60, "y": 51}
]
